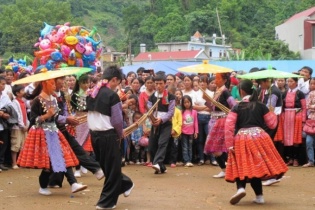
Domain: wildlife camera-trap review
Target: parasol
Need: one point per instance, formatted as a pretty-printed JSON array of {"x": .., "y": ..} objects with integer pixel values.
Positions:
[
  {"x": 46, "y": 75},
  {"x": 269, "y": 73},
  {"x": 205, "y": 68}
]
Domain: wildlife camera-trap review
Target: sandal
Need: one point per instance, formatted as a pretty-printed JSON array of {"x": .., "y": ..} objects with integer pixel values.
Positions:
[
  {"x": 290, "y": 162},
  {"x": 295, "y": 163},
  {"x": 308, "y": 165}
]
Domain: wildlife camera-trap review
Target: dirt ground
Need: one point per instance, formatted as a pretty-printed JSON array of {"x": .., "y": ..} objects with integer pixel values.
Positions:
[{"x": 179, "y": 188}]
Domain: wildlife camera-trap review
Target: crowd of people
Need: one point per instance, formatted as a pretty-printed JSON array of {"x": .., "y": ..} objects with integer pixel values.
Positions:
[{"x": 184, "y": 129}]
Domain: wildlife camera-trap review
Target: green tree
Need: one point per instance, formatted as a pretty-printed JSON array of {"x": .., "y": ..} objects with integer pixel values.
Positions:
[{"x": 21, "y": 22}]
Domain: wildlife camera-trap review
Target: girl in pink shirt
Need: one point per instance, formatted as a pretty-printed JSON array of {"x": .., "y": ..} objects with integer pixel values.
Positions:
[{"x": 189, "y": 129}]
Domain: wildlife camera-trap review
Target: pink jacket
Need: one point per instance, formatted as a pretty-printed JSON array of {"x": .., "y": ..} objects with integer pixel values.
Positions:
[{"x": 190, "y": 122}]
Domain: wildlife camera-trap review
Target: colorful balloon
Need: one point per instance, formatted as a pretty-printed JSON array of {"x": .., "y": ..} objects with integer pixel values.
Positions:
[
  {"x": 46, "y": 30},
  {"x": 65, "y": 45}
]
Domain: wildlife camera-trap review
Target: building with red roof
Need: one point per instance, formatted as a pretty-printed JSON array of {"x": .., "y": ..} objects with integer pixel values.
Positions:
[
  {"x": 187, "y": 55},
  {"x": 299, "y": 33}
]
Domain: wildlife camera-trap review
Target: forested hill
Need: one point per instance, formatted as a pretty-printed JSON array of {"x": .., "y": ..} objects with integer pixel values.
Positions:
[{"x": 248, "y": 24}]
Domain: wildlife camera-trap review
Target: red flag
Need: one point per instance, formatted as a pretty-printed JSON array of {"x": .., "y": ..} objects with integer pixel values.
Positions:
[{"x": 34, "y": 64}]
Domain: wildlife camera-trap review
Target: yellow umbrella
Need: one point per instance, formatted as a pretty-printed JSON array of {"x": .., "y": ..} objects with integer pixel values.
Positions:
[
  {"x": 46, "y": 75},
  {"x": 205, "y": 68}
]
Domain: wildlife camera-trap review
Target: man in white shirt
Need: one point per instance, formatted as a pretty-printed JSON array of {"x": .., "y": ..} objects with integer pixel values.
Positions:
[{"x": 304, "y": 83}]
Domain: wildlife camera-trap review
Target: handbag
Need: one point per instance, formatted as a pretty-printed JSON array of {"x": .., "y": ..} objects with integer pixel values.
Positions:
[
  {"x": 144, "y": 141},
  {"x": 309, "y": 127}
]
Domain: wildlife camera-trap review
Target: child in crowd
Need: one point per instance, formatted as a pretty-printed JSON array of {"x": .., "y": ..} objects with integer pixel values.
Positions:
[
  {"x": 189, "y": 129},
  {"x": 180, "y": 85},
  {"x": 18, "y": 132},
  {"x": 129, "y": 108},
  {"x": 135, "y": 137},
  {"x": 176, "y": 128},
  {"x": 178, "y": 98}
]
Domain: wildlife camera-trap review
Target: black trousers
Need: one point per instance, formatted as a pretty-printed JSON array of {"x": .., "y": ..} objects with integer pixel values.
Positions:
[
  {"x": 85, "y": 160},
  {"x": 158, "y": 142},
  {"x": 46, "y": 175},
  {"x": 255, "y": 184},
  {"x": 4, "y": 137},
  {"x": 106, "y": 146}
]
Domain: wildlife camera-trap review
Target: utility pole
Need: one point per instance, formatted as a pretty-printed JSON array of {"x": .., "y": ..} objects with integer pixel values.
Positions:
[
  {"x": 130, "y": 52},
  {"x": 216, "y": 9}
]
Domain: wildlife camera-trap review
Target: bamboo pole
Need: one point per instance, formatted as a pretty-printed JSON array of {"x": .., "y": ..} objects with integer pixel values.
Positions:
[
  {"x": 134, "y": 126},
  {"x": 215, "y": 103}
]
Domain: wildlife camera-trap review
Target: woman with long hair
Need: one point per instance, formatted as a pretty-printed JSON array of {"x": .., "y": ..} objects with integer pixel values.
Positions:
[
  {"x": 252, "y": 155},
  {"x": 78, "y": 107},
  {"x": 45, "y": 147},
  {"x": 215, "y": 139},
  {"x": 203, "y": 113},
  {"x": 294, "y": 106}
]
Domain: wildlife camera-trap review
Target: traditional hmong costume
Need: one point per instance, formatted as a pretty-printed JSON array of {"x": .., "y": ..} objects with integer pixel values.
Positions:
[
  {"x": 45, "y": 146},
  {"x": 294, "y": 106},
  {"x": 81, "y": 131},
  {"x": 105, "y": 121},
  {"x": 272, "y": 98},
  {"x": 255, "y": 155},
  {"x": 215, "y": 138},
  {"x": 160, "y": 135}
]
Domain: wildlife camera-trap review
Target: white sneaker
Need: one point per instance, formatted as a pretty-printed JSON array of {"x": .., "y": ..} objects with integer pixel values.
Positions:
[
  {"x": 238, "y": 196},
  {"x": 113, "y": 207},
  {"x": 156, "y": 167},
  {"x": 270, "y": 182},
  {"x": 77, "y": 174},
  {"x": 99, "y": 174},
  {"x": 259, "y": 199},
  {"x": 127, "y": 193},
  {"x": 219, "y": 175},
  {"x": 44, "y": 191},
  {"x": 76, "y": 187},
  {"x": 83, "y": 170}
]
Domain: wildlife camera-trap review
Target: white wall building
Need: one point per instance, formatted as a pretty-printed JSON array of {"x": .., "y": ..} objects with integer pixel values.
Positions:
[{"x": 299, "y": 33}]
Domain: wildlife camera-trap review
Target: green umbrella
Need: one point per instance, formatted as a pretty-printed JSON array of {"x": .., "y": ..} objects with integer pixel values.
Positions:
[{"x": 269, "y": 73}]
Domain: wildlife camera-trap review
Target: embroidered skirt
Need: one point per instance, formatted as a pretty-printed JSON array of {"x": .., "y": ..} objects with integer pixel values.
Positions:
[
  {"x": 279, "y": 135},
  {"x": 215, "y": 139},
  {"x": 42, "y": 152},
  {"x": 254, "y": 156},
  {"x": 293, "y": 127},
  {"x": 82, "y": 135}
]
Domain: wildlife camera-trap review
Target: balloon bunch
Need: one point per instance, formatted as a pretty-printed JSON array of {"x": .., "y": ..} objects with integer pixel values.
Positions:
[
  {"x": 18, "y": 66},
  {"x": 65, "y": 45}
]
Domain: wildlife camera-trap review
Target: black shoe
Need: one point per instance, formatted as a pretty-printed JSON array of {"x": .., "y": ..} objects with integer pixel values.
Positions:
[
  {"x": 163, "y": 168},
  {"x": 3, "y": 167}
]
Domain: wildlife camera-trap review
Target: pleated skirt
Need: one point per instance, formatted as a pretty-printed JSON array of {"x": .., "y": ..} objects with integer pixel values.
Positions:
[
  {"x": 254, "y": 156},
  {"x": 35, "y": 151},
  {"x": 215, "y": 139},
  {"x": 87, "y": 145}
]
